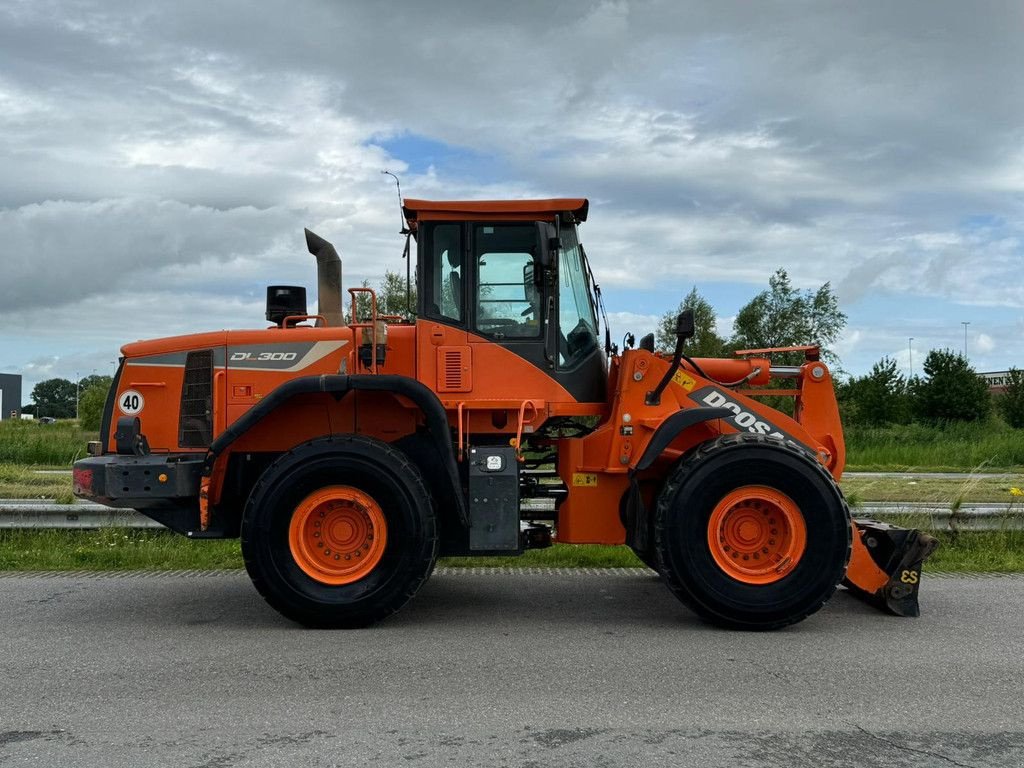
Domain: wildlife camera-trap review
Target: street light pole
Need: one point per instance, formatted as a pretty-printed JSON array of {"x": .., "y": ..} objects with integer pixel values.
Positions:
[
  {"x": 910, "y": 348},
  {"x": 965, "y": 324}
]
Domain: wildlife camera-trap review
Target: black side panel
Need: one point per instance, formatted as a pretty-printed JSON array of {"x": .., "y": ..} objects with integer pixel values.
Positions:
[
  {"x": 108, "y": 408},
  {"x": 195, "y": 427},
  {"x": 675, "y": 424},
  {"x": 494, "y": 498}
]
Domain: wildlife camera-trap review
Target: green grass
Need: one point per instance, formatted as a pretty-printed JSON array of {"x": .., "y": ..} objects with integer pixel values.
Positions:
[
  {"x": 25, "y": 482},
  {"x": 978, "y": 488},
  {"x": 556, "y": 556},
  {"x": 25, "y": 446},
  {"x": 29, "y": 442},
  {"x": 979, "y": 551},
  {"x": 988, "y": 446},
  {"x": 112, "y": 549},
  {"x": 119, "y": 549}
]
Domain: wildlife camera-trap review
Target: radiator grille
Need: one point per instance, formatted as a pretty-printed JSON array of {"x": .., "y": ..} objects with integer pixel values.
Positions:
[
  {"x": 454, "y": 371},
  {"x": 195, "y": 428}
]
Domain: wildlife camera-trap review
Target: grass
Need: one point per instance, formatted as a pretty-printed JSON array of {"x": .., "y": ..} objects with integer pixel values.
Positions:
[
  {"x": 979, "y": 552},
  {"x": 987, "y": 446},
  {"x": 112, "y": 549},
  {"x": 122, "y": 549},
  {"x": 29, "y": 442},
  {"x": 556, "y": 556},
  {"x": 119, "y": 549},
  {"x": 27, "y": 482},
  {"x": 27, "y": 446},
  {"x": 931, "y": 490}
]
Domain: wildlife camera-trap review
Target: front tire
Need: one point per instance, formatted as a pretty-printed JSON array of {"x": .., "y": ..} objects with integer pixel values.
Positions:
[
  {"x": 339, "y": 532},
  {"x": 752, "y": 533}
]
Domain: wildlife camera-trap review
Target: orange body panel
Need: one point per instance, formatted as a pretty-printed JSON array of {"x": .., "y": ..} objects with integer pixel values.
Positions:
[
  {"x": 486, "y": 389},
  {"x": 862, "y": 571},
  {"x": 616, "y": 446}
]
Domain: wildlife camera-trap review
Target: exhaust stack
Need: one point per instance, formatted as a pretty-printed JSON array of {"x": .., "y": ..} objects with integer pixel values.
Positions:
[{"x": 328, "y": 279}]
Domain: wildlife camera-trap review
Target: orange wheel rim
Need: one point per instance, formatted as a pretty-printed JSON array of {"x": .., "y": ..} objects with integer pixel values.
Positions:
[
  {"x": 337, "y": 535},
  {"x": 757, "y": 534}
]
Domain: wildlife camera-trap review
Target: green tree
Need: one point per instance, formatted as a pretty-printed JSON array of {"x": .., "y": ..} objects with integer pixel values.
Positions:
[
  {"x": 878, "y": 398},
  {"x": 91, "y": 401},
  {"x": 92, "y": 380},
  {"x": 950, "y": 389},
  {"x": 55, "y": 397},
  {"x": 706, "y": 342},
  {"x": 391, "y": 299},
  {"x": 1011, "y": 403},
  {"x": 784, "y": 316}
]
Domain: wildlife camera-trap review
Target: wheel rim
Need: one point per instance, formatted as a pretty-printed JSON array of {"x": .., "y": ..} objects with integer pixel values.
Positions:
[
  {"x": 337, "y": 535},
  {"x": 757, "y": 534}
]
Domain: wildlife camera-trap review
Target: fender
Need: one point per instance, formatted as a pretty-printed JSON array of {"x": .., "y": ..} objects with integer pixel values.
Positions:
[
  {"x": 339, "y": 384},
  {"x": 671, "y": 428}
]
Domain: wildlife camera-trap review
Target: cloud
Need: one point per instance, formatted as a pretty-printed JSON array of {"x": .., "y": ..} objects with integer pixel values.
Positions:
[{"x": 174, "y": 151}]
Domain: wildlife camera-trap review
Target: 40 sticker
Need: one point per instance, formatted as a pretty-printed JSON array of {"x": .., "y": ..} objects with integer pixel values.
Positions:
[{"x": 130, "y": 402}]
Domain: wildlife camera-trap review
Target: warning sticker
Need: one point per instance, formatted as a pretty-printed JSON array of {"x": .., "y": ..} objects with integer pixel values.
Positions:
[
  {"x": 684, "y": 381},
  {"x": 584, "y": 478}
]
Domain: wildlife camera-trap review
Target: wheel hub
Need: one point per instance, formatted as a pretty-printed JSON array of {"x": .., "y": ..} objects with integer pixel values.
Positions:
[
  {"x": 757, "y": 534},
  {"x": 337, "y": 535}
]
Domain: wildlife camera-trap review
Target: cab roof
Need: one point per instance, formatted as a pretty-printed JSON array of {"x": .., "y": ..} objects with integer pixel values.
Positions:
[{"x": 510, "y": 210}]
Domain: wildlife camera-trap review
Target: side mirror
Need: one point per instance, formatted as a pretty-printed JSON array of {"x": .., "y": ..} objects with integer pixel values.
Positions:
[
  {"x": 549, "y": 241},
  {"x": 684, "y": 325}
]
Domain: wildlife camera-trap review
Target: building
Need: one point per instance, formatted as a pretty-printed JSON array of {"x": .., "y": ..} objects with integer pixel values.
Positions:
[
  {"x": 996, "y": 381},
  {"x": 10, "y": 396}
]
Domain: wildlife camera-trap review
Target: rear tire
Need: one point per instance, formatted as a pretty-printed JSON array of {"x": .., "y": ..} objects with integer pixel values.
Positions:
[
  {"x": 742, "y": 497},
  {"x": 363, "y": 498}
]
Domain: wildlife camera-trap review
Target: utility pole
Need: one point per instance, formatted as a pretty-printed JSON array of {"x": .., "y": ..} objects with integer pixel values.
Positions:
[
  {"x": 78, "y": 385},
  {"x": 965, "y": 324},
  {"x": 910, "y": 349}
]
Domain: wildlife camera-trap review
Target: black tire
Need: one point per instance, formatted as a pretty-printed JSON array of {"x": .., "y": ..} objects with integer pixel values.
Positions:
[
  {"x": 700, "y": 481},
  {"x": 650, "y": 559},
  {"x": 374, "y": 468}
]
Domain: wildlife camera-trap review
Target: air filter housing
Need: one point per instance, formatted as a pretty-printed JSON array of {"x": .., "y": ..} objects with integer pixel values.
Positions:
[{"x": 285, "y": 301}]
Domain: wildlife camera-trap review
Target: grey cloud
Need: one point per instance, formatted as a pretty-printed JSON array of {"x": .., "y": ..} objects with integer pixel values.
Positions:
[
  {"x": 58, "y": 251},
  {"x": 846, "y": 142}
]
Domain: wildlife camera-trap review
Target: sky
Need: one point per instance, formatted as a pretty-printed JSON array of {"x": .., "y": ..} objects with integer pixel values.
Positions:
[{"x": 158, "y": 161}]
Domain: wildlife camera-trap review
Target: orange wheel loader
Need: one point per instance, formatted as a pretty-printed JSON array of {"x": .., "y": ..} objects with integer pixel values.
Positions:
[{"x": 494, "y": 417}]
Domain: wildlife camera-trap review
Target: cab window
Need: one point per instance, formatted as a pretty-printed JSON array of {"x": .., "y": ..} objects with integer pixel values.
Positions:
[
  {"x": 446, "y": 295},
  {"x": 508, "y": 302},
  {"x": 577, "y": 324}
]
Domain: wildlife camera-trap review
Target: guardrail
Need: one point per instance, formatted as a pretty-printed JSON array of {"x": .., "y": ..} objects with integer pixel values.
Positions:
[{"x": 44, "y": 513}]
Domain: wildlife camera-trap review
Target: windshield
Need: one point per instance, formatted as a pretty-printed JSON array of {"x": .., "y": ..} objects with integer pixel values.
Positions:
[{"x": 577, "y": 324}]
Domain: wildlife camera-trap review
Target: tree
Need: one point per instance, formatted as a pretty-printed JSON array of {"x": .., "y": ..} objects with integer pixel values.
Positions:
[
  {"x": 91, "y": 402},
  {"x": 1011, "y": 403},
  {"x": 878, "y": 398},
  {"x": 783, "y": 316},
  {"x": 92, "y": 380},
  {"x": 950, "y": 389},
  {"x": 391, "y": 299},
  {"x": 706, "y": 342},
  {"x": 55, "y": 397}
]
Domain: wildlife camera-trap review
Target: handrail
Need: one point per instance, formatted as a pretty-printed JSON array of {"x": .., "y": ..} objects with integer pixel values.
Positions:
[{"x": 372, "y": 325}]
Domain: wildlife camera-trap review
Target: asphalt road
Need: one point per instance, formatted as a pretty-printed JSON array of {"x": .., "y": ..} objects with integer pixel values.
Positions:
[{"x": 499, "y": 669}]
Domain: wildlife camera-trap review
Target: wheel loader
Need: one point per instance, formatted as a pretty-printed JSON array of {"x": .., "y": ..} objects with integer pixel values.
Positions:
[{"x": 348, "y": 453}]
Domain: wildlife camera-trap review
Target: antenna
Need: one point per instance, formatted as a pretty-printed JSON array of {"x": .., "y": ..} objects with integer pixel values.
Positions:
[
  {"x": 405, "y": 253},
  {"x": 398, "y": 184}
]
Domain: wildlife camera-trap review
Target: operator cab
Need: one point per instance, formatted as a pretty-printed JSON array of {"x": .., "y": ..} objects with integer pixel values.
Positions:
[{"x": 516, "y": 275}]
